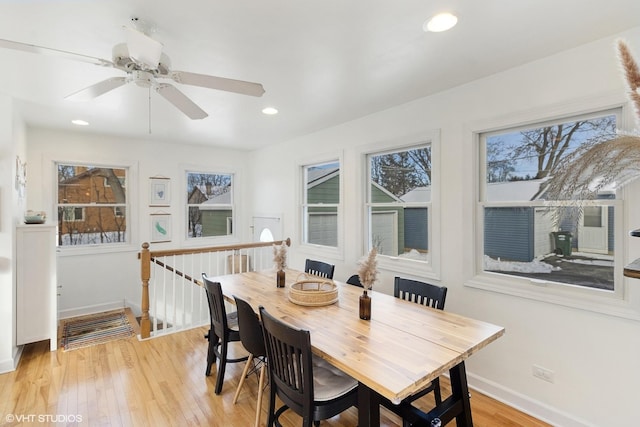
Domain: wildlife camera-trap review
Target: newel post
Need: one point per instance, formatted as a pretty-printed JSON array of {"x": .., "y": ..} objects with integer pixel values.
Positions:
[{"x": 145, "y": 272}]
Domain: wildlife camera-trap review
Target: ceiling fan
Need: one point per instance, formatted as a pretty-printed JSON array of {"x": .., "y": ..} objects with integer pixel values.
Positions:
[{"x": 141, "y": 57}]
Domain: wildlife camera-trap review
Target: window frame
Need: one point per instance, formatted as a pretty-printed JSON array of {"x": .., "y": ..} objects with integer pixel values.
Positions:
[
  {"x": 131, "y": 236},
  {"x": 431, "y": 268},
  {"x": 312, "y": 249},
  {"x": 305, "y": 206},
  {"x": 608, "y": 302},
  {"x": 229, "y": 221}
]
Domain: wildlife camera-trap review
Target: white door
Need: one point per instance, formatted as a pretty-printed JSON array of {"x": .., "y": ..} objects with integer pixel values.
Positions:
[
  {"x": 267, "y": 228},
  {"x": 594, "y": 231},
  {"x": 384, "y": 231}
]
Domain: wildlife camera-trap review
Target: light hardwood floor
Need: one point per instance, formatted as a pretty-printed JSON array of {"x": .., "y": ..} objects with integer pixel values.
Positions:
[{"x": 161, "y": 382}]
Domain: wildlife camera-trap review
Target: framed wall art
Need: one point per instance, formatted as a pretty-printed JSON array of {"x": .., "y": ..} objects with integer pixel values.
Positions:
[
  {"x": 159, "y": 191},
  {"x": 160, "y": 227}
]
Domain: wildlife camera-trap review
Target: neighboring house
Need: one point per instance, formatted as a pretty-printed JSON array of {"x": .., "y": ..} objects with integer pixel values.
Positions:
[
  {"x": 416, "y": 220},
  {"x": 524, "y": 233},
  {"x": 323, "y": 187},
  {"x": 96, "y": 203},
  {"x": 217, "y": 217},
  {"x": 389, "y": 222},
  {"x": 212, "y": 216}
]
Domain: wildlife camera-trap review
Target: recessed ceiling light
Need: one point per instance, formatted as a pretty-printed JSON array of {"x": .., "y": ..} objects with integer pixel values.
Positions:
[
  {"x": 80, "y": 122},
  {"x": 440, "y": 22},
  {"x": 270, "y": 111}
]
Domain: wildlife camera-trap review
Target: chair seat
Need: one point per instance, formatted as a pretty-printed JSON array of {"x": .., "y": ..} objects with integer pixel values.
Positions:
[{"x": 330, "y": 382}]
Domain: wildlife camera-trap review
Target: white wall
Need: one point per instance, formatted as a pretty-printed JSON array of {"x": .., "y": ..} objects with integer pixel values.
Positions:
[
  {"x": 594, "y": 356},
  {"x": 12, "y": 144},
  {"x": 93, "y": 282}
]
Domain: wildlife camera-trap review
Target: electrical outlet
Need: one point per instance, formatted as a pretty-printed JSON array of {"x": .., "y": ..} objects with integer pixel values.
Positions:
[{"x": 543, "y": 373}]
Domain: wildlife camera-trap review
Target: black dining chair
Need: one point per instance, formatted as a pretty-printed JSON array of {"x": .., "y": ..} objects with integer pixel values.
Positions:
[
  {"x": 220, "y": 333},
  {"x": 253, "y": 341},
  {"x": 319, "y": 268},
  {"x": 355, "y": 281},
  {"x": 425, "y": 294},
  {"x": 309, "y": 386}
]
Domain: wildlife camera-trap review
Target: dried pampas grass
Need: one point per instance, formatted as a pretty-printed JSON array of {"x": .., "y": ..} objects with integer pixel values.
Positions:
[
  {"x": 611, "y": 163},
  {"x": 280, "y": 256},
  {"x": 632, "y": 75},
  {"x": 368, "y": 272}
]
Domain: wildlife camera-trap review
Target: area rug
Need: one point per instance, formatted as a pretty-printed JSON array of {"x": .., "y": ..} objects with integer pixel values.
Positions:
[{"x": 95, "y": 329}]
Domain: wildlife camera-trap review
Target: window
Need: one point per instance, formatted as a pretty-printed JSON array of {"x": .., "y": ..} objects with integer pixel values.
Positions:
[
  {"x": 321, "y": 200},
  {"x": 209, "y": 201},
  {"x": 527, "y": 234},
  {"x": 399, "y": 201},
  {"x": 92, "y": 204}
]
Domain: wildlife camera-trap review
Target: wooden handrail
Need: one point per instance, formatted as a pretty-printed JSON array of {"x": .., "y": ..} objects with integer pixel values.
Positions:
[
  {"x": 146, "y": 257},
  {"x": 239, "y": 246}
]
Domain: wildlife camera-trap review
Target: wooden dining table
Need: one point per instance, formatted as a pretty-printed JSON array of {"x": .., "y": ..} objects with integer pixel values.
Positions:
[{"x": 395, "y": 354}]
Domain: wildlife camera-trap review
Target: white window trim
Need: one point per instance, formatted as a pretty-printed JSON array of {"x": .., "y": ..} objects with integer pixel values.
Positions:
[
  {"x": 329, "y": 252},
  {"x": 615, "y": 303},
  {"x": 184, "y": 239},
  {"x": 430, "y": 269},
  {"x": 50, "y": 161}
]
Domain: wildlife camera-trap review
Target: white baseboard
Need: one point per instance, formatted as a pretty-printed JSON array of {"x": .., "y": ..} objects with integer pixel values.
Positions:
[
  {"x": 90, "y": 309},
  {"x": 10, "y": 365},
  {"x": 134, "y": 306},
  {"x": 525, "y": 404}
]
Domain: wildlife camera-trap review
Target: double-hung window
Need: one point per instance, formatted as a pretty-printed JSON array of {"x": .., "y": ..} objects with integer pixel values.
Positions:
[
  {"x": 321, "y": 200},
  {"x": 209, "y": 204},
  {"x": 534, "y": 238},
  {"x": 399, "y": 203},
  {"x": 92, "y": 204}
]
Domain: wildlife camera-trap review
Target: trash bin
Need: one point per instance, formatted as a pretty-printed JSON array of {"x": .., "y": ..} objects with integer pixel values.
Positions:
[{"x": 562, "y": 241}]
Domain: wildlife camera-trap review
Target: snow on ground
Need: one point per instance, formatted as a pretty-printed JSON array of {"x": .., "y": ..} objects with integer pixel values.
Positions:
[
  {"x": 600, "y": 262},
  {"x": 535, "y": 266},
  {"x": 414, "y": 254}
]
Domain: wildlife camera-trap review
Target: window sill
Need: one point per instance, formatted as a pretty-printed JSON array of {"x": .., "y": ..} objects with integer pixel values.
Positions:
[
  {"x": 319, "y": 251},
  {"x": 410, "y": 267},
  {"x": 595, "y": 300}
]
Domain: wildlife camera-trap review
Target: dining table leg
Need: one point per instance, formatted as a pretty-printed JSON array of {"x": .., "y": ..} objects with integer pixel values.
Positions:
[
  {"x": 460, "y": 393},
  {"x": 368, "y": 407}
]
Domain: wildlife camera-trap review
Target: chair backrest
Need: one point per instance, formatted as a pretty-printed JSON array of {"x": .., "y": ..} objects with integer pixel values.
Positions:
[
  {"x": 250, "y": 328},
  {"x": 290, "y": 363},
  {"x": 217, "y": 311},
  {"x": 319, "y": 268},
  {"x": 355, "y": 281},
  {"x": 420, "y": 292}
]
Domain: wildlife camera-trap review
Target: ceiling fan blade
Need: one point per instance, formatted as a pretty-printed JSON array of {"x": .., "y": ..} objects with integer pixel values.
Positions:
[
  {"x": 180, "y": 101},
  {"x": 25, "y": 47},
  {"x": 219, "y": 83},
  {"x": 97, "y": 89},
  {"x": 143, "y": 48}
]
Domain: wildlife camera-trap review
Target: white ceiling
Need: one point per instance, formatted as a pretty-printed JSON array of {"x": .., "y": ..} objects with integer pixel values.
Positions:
[{"x": 321, "y": 62}]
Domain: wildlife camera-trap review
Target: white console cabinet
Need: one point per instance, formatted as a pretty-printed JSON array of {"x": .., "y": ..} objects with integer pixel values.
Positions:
[{"x": 36, "y": 293}]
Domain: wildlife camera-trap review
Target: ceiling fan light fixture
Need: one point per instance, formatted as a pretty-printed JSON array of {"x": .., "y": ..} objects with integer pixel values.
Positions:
[
  {"x": 269, "y": 111},
  {"x": 79, "y": 122},
  {"x": 440, "y": 22}
]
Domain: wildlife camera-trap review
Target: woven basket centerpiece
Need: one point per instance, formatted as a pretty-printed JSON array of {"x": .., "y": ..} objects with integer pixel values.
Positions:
[{"x": 313, "y": 292}]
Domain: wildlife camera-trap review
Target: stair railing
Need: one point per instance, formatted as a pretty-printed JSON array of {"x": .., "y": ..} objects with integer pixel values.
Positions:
[{"x": 173, "y": 296}]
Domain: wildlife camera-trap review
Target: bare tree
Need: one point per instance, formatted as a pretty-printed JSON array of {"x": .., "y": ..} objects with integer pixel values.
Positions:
[
  {"x": 550, "y": 144},
  {"x": 403, "y": 171}
]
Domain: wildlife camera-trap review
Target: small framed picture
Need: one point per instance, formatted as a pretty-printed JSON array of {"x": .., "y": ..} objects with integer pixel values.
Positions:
[
  {"x": 160, "y": 228},
  {"x": 160, "y": 191}
]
